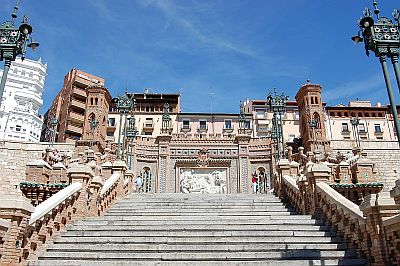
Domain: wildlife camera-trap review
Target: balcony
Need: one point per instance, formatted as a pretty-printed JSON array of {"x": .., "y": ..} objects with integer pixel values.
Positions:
[
  {"x": 185, "y": 128},
  {"x": 202, "y": 128},
  {"x": 77, "y": 117},
  {"x": 227, "y": 129},
  {"x": 148, "y": 126},
  {"x": 74, "y": 128},
  {"x": 78, "y": 104},
  {"x": 81, "y": 82},
  {"x": 79, "y": 92}
]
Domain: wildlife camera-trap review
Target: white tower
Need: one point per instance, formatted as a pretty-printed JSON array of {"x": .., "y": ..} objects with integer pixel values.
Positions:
[{"x": 22, "y": 98}]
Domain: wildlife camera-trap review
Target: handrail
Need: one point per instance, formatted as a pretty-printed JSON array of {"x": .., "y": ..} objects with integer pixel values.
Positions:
[
  {"x": 4, "y": 223},
  {"x": 48, "y": 205},
  {"x": 392, "y": 220},
  {"x": 290, "y": 180},
  {"x": 109, "y": 183},
  {"x": 340, "y": 200}
]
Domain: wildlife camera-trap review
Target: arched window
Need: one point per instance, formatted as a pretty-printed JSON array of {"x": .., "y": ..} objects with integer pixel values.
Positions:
[{"x": 317, "y": 119}]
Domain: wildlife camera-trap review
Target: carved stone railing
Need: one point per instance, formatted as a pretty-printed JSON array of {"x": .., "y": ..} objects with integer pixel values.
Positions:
[
  {"x": 4, "y": 226},
  {"x": 25, "y": 229},
  {"x": 372, "y": 229}
]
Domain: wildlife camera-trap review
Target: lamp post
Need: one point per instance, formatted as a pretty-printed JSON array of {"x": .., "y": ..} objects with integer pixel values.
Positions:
[
  {"x": 131, "y": 133},
  {"x": 124, "y": 106},
  {"x": 53, "y": 124},
  {"x": 383, "y": 38},
  {"x": 13, "y": 42},
  {"x": 93, "y": 123},
  {"x": 277, "y": 104},
  {"x": 354, "y": 121}
]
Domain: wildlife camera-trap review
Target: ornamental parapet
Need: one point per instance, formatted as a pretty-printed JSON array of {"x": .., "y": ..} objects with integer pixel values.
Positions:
[
  {"x": 25, "y": 229},
  {"x": 372, "y": 229}
]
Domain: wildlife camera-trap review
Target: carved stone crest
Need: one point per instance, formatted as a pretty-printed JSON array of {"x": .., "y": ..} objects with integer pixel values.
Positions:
[{"x": 203, "y": 159}]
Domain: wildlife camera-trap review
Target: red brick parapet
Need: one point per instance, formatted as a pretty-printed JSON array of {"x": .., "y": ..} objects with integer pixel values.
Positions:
[{"x": 26, "y": 229}]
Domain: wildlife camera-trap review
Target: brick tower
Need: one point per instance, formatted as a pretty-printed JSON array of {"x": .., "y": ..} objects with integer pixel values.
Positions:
[
  {"x": 312, "y": 118},
  {"x": 96, "y": 115}
]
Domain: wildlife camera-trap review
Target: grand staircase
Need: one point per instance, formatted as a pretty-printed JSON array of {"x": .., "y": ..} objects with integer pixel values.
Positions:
[{"x": 198, "y": 229}]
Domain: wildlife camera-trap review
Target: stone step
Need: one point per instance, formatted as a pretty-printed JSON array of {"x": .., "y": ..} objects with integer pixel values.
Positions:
[
  {"x": 199, "y": 213},
  {"x": 198, "y": 227},
  {"x": 203, "y": 234},
  {"x": 181, "y": 229},
  {"x": 189, "y": 248},
  {"x": 199, "y": 256},
  {"x": 98, "y": 262},
  {"x": 185, "y": 207},
  {"x": 135, "y": 220},
  {"x": 282, "y": 217},
  {"x": 198, "y": 239}
]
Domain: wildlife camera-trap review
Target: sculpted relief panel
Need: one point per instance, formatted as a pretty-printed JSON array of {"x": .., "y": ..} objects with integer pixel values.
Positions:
[{"x": 203, "y": 180}]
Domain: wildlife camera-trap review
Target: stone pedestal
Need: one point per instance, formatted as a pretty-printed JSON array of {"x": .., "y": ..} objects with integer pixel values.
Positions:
[{"x": 16, "y": 209}]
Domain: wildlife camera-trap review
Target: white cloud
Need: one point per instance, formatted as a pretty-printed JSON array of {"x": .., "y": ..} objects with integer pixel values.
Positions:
[
  {"x": 353, "y": 89},
  {"x": 176, "y": 14}
]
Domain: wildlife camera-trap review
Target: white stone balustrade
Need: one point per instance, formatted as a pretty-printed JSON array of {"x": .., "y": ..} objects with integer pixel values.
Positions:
[{"x": 53, "y": 202}]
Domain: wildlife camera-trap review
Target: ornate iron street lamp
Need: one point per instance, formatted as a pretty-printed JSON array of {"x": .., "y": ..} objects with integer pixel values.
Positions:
[
  {"x": 383, "y": 38},
  {"x": 131, "y": 133},
  {"x": 277, "y": 104},
  {"x": 53, "y": 124},
  {"x": 93, "y": 123},
  {"x": 124, "y": 106},
  {"x": 354, "y": 121},
  {"x": 13, "y": 42}
]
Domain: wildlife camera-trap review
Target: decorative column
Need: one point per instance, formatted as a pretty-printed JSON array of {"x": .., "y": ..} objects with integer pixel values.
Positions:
[
  {"x": 244, "y": 181},
  {"x": 164, "y": 182}
]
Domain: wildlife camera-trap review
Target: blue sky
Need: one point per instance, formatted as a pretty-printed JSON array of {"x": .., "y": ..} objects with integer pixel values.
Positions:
[{"x": 228, "y": 50}]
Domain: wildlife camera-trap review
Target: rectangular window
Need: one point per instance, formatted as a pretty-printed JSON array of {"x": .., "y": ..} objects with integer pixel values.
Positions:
[
  {"x": 247, "y": 124},
  {"x": 361, "y": 127},
  {"x": 111, "y": 122},
  {"x": 203, "y": 124},
  {"x": 185, "y": 124},
  {"x": 345, "y": 127},
  {"x": 228, "y": 124},
  {"x": 378, "y": 128},
  {"x": 18, "y": 128}
]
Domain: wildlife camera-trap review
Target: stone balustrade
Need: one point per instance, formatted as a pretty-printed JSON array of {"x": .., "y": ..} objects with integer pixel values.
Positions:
[
  {"x": 372, "y": 229},
  {"x": 25, "y": 229}
]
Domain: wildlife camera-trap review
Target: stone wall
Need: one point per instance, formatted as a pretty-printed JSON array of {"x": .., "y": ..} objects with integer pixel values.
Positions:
[
  {"x": 14, "y": 156},
  {"x": 385, "y": 155}
]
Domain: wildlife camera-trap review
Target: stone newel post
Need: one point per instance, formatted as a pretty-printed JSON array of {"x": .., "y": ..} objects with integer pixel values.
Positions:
[
  {"x": 119, "y": 167},
  {"x": 81, "y": 173},
  {"x": 283, "y": 169},
  {"x": 375, "y": 208},
  {"x": 315, "y": 173},
  {"x": 17, "y": 210}
]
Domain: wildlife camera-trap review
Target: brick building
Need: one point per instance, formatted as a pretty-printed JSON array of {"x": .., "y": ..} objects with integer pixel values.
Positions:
[{"x": 69, "y": 107}]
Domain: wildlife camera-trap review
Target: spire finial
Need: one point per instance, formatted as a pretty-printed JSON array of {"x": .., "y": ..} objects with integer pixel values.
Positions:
[
  {"x": 376, "y": 9},
  {"x": 14, "y": 13}
]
